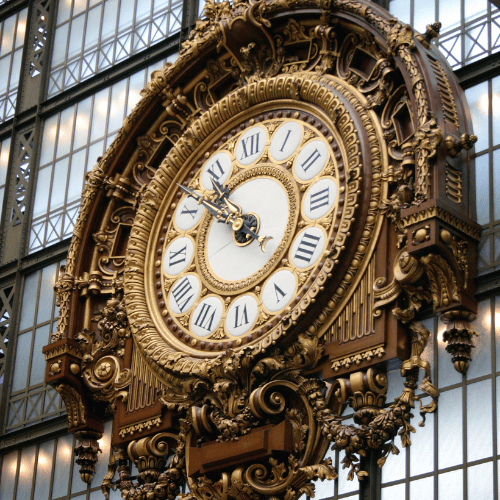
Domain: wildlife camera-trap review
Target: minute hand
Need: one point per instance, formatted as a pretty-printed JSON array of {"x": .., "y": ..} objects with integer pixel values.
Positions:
[{"x": 213, "y": 208}]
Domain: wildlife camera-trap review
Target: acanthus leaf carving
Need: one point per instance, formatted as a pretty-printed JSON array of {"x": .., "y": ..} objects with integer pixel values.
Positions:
[
  {"x": 425, "y": 142},
  {"x": 75, "y": 406}
]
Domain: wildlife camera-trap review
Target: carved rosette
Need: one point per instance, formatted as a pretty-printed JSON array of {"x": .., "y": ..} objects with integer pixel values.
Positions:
[{"x": 254, "y": 419}]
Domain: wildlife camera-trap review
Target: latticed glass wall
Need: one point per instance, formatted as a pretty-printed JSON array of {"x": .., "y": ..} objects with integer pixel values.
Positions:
[
  {"x": 92, "y": 35},
  {"x": 73, "y": 70},
  {"x": 470, "y": 29},
  {"x": 484, "y": 99},
  {"x": 31, "y": 400},
  {"x": 13, "y": 31},
  {"x": 46, "y": 471},
  {"x": 72, "y": 140}
]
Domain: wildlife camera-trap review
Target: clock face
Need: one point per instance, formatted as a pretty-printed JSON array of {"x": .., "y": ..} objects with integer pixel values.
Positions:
[{"x": 243, "y": 235}]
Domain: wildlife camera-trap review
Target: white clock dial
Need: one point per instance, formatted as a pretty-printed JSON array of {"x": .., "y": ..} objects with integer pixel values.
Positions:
[
  {"x": 241, "y": 315},
  {"x": 311, "y": 160},
  {"x": 188, "y": 214},
  {"x": 178, "y": 255},
  {"x": 265, "y": 197},
  {"x": 217, "y": 167},
  {"x": 285, "y": 141},
  {"x": 251, "y": 145},
  {"x": 279, "y": 290},
  {"x": 207, "y": 315},
  {"x": 184, "y": 293},
  {"x": 319, "y": 198},
  {"x": 307, "y": 247}
]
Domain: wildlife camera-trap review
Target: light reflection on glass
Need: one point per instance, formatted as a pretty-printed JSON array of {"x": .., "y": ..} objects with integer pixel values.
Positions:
[
  {"x": 134, "y": 97},
  {"x": 66, "y": 129},
  {"x": 483, "y": 103},
  {"x": 66, "y": 450},
  {"x": 42, "y": 459},
  {"x": 21, "y": 28},
  {"x": 487, "y": 320},
  {"x": 440, "y": 334},
  {"x": 4, "y": 157},
  {"x": 102, "y": 106},
  {"x": 52, "y": 132},
  {"x": 82, "y": 122}
]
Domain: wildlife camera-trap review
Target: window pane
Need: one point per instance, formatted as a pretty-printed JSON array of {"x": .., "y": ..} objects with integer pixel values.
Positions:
[
  {"x": 44, "y": 470},
  {"x": 63, "y": 466},
  {"x": 451, "y": 485},
  {"x": 480, "y": 481},
  {"x": 46, "y": 299},
  {"x": 475, "y": 8},
  {"x": 481, "y": 364},
  {"x": 394, "y": 492},
  {"x": 479, "y": 102},
  {"x": 42, "y": 338},
  {"x": 450, "y": 422},
  {"x": 25, "y": 478},
  {"x": 9, "y": 469},
  {"x": 449, "y": 14},
  {"x": 423, "y": 446},
  {"x": 479, "y": 421},
  {"x": 29, "y": 301},
  {"x": 23, "y": 349},
  {"x": 483, "y": 189},
  {"x": 12, "y": 31},
  {"x": 424, "y": 488}
]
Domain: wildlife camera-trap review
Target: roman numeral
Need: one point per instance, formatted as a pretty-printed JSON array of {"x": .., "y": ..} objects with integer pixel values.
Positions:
[
  {"x": 180, "y": 291},
  {"x": 279, "y": 292},
  {"x": 204, "y": 319},
  {"x": 286, "y": 139},
  {"x": 311, "y": 160},
  {"x": 186, "y": 211},
  {"x": 250, "y": 146},
  {"x": 307, "y": 245},
  {"x": 320, "y": 199},
  {"x": 240, "y": 320},
  {"x": 211, "y": 170},
  {"x": 178, "y": 257}
]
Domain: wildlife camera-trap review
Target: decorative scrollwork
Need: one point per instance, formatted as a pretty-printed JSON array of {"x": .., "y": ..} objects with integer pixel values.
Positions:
[
  {"x": 377, "y": 426},
  {"x": 101, "y": 366}
]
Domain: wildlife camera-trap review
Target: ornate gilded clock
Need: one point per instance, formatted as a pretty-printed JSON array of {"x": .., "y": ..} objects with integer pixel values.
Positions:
[
  {"x": 254, "y": 250},
  {"x": 234, "y": 250}
]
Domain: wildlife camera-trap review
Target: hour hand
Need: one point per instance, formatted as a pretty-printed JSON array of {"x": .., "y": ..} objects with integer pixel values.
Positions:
[
  {"x": 223, "y": 196},
  {"x": 250, "y": 233}
]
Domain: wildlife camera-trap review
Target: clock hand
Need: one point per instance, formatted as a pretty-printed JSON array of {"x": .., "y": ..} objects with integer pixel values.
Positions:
[
  {"x": 213, "y": 208},
  {"x": 230, "y": 214},
  {"x": 261, "y": 240},
  {"x": 223, "y": 195}
]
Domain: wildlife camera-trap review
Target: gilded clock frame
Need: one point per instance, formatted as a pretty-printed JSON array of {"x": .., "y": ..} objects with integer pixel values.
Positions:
[{"x": 216, "y": 122}]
